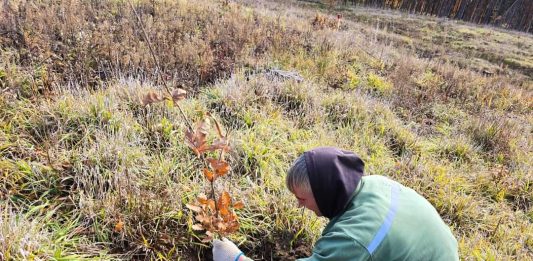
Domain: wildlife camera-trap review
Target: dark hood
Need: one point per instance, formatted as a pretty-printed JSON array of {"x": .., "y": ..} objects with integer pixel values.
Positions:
[{"x": 334, "y": 175}]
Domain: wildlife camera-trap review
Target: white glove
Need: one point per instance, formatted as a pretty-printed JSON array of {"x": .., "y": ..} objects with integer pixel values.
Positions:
[{"x": 225, "y": 250}]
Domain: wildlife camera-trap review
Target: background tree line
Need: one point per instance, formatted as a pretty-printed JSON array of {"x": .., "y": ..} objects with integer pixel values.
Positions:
[{"x": 512, "y": 14}]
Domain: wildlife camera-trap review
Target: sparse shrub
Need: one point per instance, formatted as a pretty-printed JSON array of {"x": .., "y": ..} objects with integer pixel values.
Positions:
[
  {"x": 336, "y": 76},
  {"x": 430, "y": 81},
  {"x": 322, "y": 22},
  {"x": 86, "y": 53},
  {"x": 378, "y": 85},
  {"x": 353, "y": 77}
]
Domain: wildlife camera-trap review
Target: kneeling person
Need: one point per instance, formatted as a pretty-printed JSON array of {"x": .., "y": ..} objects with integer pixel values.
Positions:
[{"x": 370, "y": 217}]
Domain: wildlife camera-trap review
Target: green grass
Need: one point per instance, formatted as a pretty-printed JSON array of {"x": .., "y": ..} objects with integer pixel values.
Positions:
[{"x": 81, "y": 154}]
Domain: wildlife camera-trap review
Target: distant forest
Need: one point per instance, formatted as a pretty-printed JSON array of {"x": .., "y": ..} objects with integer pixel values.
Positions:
[{"x": 512, "y": 14}]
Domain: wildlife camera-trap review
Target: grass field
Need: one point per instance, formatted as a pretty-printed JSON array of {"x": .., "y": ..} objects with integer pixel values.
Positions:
[{"x": 88, "y": 172}]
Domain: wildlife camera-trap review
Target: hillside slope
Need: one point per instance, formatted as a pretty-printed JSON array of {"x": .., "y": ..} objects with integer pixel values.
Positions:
[{"x": 88, "y": 172}]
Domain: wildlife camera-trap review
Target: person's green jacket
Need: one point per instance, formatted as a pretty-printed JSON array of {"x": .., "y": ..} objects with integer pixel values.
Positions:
[{"x": 385, "y": 220}]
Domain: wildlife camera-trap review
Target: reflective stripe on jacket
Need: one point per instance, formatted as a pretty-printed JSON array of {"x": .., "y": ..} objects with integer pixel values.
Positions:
[{"x": 386, "y": 221}]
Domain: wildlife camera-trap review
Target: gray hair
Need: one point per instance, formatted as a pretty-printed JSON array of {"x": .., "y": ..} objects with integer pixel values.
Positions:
[{"x": 297, "y": 176}]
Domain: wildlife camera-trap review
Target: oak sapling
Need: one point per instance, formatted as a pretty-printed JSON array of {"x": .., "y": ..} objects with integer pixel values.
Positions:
[{"x": 215, "y": 216}]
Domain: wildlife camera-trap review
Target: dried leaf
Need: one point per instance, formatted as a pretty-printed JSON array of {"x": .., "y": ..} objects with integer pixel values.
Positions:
[
  {"x": 202, "y": 219},
  {"x": 178, "y": 94},
  {"x": 196, "y": 145},
  {"x": 194, "y": 208},
  {"x": 233, "y": 227},
  {"x": 220, "y": 226},
  {"x": 238, "y": 205},
  {"x": 221, "y": 167},
  {"x": 207, "y": 239},
  {"x": 230, "y": 217},
  {"x": 224, "y": 201},
  {"x": 203, "y": 126},
  {"x": 150, "y": 98},
  {"x": 202, "y": 199},
  {"x": 221, "y": 143},
  {"x": 119, "y": 226},
  {"x": 196, "y": 140},
  {"x": 197, "y": 227},
  {"x": 209, "y": 175},
  {"x": 211, "y": 204},
  {"x": 224, "y": 211}
]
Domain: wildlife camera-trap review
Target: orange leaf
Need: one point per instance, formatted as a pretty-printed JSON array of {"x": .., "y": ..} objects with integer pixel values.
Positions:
[
  {"x": 194, "y": 208},
  {"x": 224, "y": 201},
  {"x": 221, "y": 167},
  {"x": 119, "y": 226},
  {"x": 224, "y": 211},
  {"x": 202, "y": 199},
  {"x": 178, "y": 94},
  {"x": 209, "y": 175},
  {"x": 230, "y": 216},
  {"x": 238, "y": 205},
  {"x": 211, "y": 204}
]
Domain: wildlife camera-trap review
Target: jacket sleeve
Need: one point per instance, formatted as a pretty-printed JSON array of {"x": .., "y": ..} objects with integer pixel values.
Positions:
[{"x": 338, "y": 246}]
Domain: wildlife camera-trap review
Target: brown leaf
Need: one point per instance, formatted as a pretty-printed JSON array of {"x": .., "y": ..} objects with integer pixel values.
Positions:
[
  {"x": 221, "y": 167},
  {"x": 202, "y": 199},
  {"x": 197, "y": 140},
  {"x": 202, "y": 219},
  {"x": 209, "y": 175},
  {"x": 194, "y": 208},
  {"x": 221, "y": 143},
  {"x": 224, "y": 211},
  {"x": 211, "y": 204},
  {"x": 224, "y": 201},
  {"x": 197, "y": 227},
  {"x": 220, "y": 226},
  {"x": 238, "y": 205},
  {"x": 178, "y": 94},
  {"x": 203, "y": 126},
  {"x": 233, "y": 227},
  {"x": 150, "y": 98}
]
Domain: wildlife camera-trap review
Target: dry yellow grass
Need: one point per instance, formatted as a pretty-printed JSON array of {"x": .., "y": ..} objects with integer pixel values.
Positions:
[{"x": 81, "y": 154}]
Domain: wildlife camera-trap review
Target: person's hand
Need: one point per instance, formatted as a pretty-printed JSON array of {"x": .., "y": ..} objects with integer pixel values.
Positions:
[{"x": 225, "y": 250}]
